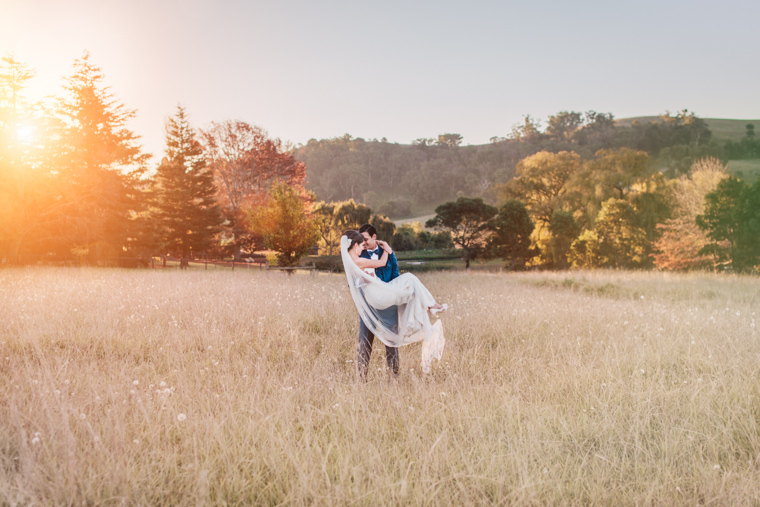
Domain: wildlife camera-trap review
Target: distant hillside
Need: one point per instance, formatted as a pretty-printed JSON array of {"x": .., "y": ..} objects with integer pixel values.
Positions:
[
  {"x": 405, "y": 181},
  {"x": 722, "y": 129}
]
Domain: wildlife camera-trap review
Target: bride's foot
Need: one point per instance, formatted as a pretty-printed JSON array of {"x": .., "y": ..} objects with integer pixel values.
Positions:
[{"x": 438, "y": 308}]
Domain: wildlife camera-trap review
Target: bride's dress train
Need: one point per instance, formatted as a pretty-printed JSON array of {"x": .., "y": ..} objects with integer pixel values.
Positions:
[{"x": 412, "y": 299}]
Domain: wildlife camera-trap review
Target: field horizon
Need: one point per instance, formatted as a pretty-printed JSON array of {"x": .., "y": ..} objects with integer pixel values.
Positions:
[{"x": 180, "y": 388}]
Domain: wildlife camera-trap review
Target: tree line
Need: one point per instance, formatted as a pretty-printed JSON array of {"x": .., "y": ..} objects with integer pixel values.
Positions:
[
  {"x": 76, "y": 185},
  {"x": 398, "y": 180},
  {"x": 613, "y": 210}
]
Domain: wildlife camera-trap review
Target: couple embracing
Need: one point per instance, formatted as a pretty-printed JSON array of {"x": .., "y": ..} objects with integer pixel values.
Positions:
[{"x": 394, "y": 308}]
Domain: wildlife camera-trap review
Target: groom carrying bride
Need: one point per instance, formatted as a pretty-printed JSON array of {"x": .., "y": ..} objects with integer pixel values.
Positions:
[
  {"x": 389, "y": 316},
  {"x": 412, "y": 302}
]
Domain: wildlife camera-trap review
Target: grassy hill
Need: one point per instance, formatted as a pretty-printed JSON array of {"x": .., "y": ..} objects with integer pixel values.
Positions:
[
  {"x": 722, "y": 129},
  {"x": 747, "y": 170}
]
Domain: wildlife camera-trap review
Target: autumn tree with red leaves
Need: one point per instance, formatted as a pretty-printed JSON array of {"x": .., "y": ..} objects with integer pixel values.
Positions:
[{"x": 246, "y": 163}]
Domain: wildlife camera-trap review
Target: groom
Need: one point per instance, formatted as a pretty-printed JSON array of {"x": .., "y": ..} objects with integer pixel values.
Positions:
[{"x": 389, "y": 316}]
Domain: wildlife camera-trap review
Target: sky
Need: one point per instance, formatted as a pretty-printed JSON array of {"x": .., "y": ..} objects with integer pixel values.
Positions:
[{"x": 395, "y": 69}]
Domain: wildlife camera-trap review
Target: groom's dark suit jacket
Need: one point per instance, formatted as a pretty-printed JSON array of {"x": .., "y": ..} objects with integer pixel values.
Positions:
[{"x": 387, "y": 272}]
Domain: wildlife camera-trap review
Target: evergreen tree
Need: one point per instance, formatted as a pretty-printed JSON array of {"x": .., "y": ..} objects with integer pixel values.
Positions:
[
  {"x": 186, "y": 204},
  {"x": 23, "y": 183},
  {"x": 99, "y": 164}
]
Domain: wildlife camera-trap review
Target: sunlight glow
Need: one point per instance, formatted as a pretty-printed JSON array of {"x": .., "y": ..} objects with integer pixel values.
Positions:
[{"x": 25, "y": 134}]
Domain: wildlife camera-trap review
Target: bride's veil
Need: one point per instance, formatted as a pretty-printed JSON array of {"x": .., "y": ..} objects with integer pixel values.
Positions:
[
  {"x": 371, "y": 294},
  {"x": 374, "y": 299}
]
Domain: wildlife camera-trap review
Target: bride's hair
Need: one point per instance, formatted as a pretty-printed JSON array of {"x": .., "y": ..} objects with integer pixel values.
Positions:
[{"x": 353, "y": 238}]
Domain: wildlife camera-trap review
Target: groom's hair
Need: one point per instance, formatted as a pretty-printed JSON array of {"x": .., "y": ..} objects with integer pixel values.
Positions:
[{"x": 369, "y": 229}]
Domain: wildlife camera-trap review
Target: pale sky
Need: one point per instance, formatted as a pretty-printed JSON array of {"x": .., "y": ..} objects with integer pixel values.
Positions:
[{"x": 400, "y": 70}]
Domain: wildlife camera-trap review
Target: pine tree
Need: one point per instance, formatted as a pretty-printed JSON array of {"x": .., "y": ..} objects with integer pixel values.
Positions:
[
  {"x": 20, "y": 181},
  {"x": 99, "y": 164},
  {"x": 186, "y": 205}
]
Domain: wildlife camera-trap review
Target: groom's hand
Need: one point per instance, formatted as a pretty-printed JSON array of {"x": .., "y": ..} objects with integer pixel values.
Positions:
[{"x": 385, "y": 246}]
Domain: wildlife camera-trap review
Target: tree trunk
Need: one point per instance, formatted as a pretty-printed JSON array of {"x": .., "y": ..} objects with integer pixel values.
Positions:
[
  {"x": 13, "y": 257},
  {"x": 235, "y": 247}
]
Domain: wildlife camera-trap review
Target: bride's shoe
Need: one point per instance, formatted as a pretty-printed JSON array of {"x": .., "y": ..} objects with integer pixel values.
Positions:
[{"x": 436, "y": 311}]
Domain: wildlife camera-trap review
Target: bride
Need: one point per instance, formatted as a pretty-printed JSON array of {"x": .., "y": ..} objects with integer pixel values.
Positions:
[{"x": 412, "y": 298}]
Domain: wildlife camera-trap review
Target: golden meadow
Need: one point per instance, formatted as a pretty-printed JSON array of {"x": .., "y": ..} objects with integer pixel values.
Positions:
[{"x": 239, "y": 388}]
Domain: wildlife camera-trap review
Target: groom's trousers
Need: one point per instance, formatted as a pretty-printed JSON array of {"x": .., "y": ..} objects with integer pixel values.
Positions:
[{"x": 389, "y": 317}]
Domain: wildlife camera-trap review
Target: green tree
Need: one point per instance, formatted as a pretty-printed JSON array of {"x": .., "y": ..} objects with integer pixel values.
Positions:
[
  {"x": 450, "y": 140},
  {"x": 468, "y": 221},
  {"x": 333, "y": 218},
  {"x": 584, "y": 251},
  {"x": 351, "y": 215},
  {"x": 26, "y": 183},
  {"x": 286, "y": 224},
  {"x": 510, "y": 240},
  {"x": 99, "y": 163},
  {"x": 686, "y": 128},
  {"x": 620, "y": 173},
  {"x": 528, "y": 132},
  {"x": 384, "y": 226},
  {"x": 652, "y": 209},
  {"x": 622, "y": 244},
  {"x": 406, "y": 237},
  {"x": 598, "y": 130},
  {"x": 615, "y": 172},
  {"x": 329, "y": 232},
  {"x": 541, "y": 183},
  {"x": 186, "y": 194},
  {"x": 564, "y": 124},
  {"x": 731, "y": 220},
  {"x": 564, "y": 230}
]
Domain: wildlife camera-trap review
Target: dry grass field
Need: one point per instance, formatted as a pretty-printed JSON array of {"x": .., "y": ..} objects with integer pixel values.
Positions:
[{"x": 218, "y": 388}]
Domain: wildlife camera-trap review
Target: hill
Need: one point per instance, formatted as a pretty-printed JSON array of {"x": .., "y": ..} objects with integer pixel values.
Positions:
[
  {"x": 410, "y": 180},
  {"x": 722, "y": 129}
]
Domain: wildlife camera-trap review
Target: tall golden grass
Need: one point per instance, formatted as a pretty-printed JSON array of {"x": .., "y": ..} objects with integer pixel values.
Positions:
[{"x": 186, "y": 388}]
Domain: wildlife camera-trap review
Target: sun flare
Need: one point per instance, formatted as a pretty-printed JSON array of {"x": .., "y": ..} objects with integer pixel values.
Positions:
[{"x": 25, "y": 134}]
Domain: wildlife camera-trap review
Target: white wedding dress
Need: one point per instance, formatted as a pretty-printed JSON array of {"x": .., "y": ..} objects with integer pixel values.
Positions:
[{"x": 409, "y": 295}]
